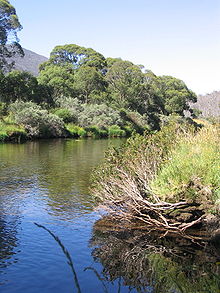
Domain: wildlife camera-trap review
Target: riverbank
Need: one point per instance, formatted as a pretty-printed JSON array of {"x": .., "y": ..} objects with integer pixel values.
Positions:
[
  {"x": 11, "y": 132},
  {"x": 169, "y": 180}
]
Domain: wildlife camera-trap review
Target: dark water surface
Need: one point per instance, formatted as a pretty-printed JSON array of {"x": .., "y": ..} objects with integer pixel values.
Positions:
[{"x": 47, "y": 182}]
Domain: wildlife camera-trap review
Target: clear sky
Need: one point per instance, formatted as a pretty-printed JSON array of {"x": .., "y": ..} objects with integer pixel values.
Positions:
[{"x": 170, "y": 37}]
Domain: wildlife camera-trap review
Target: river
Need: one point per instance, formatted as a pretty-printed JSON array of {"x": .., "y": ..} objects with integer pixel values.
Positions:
[{"x": 47, "y": 182}]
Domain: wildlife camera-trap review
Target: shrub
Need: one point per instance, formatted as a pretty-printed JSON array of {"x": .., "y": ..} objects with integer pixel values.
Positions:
[
  {"x": 175, "y": 165},
  {"x": 100, "y": 115},
  {"x": 116, "y": 131},
  {"x": 75, "y": 131},
  {"x": 69, "y": 103},
  {"x": 36, "y": 121},
  {"x": 66, "y": 115},
  {"x": 11, "y": 132},
  {"x": 96, "y": 132}
]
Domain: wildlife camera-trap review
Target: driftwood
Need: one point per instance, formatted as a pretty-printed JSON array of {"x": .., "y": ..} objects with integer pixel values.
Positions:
[{"x": 147, "y": 208}]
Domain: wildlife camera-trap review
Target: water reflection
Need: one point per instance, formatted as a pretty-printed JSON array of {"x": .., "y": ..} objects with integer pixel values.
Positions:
[
  {"x": 149, "y": 263},
  {"x": 46, "y": 182},
  {"x": 55, "y": 172}
]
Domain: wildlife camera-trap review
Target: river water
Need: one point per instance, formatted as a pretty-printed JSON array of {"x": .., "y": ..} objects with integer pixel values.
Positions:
[{"x": 47, "y": 182}]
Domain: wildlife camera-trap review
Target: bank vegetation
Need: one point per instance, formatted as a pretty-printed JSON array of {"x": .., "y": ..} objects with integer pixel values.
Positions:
[{"x": 169, "y": 181}]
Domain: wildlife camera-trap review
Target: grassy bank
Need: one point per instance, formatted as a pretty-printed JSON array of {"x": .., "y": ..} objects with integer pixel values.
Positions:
[
  {"x": 12, "y": 132},
  {"x": 176, "y": 169},
  {"x": 192, "y": 169}
]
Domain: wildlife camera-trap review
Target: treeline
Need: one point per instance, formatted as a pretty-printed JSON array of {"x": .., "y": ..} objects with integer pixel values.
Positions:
[{"x": 79, "y": 92}]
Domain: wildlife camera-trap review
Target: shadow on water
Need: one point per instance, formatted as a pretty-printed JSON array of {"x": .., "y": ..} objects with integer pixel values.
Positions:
[
  {"x": 147, "y": 263},
  {"x": 8, "y": 241}
]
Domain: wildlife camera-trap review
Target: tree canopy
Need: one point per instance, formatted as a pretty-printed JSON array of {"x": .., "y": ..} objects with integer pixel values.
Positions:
[
  {"x": 75, "y": 55},
  {"x": 9, "y": 26}
]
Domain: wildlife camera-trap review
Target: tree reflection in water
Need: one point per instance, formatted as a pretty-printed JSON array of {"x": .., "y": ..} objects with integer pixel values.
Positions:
[
  {"x": 8, "y": 240},
  {"x": 150, "y": 263}
]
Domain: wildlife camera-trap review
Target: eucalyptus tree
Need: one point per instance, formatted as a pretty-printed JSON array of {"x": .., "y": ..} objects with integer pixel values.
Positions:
[
  {"x": 73, "y": 71},
  {"x": 175, "y": 95},
  {"x": 9, "y": 27}
]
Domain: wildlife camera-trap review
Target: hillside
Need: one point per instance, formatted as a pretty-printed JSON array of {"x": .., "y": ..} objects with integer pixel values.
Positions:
[
  {"x": 30, "y": 62},
  {"x": 208, "y": 104}
]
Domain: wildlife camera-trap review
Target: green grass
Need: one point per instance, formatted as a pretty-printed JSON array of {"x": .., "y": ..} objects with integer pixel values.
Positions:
[
  {"x": 11, "y": 132},
  {"x": 192, "y": 169},
  {"x": 75, "y": 131},
  {"x": 116, "y": 131}
]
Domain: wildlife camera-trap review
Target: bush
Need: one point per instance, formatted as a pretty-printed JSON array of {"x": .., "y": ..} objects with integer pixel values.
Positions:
[
  {"x": 66, "y": 115},
  {"x": 100, "y": 115},
  {"x": 116, "y": 131},
  {"x": 69, "y": 103},
  {"x": 75, "y": 131},
  {"x": 36, "y": 121},
  {"x": 174, "y": 165},
  {"x": 96, "y": 132}
]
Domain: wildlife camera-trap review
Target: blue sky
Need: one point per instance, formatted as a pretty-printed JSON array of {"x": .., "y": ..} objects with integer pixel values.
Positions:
[{"x": 170, "y": 37}]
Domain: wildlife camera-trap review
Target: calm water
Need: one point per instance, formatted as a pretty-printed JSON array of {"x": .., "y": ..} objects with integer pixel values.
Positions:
[{"x": 46, "y": 182}]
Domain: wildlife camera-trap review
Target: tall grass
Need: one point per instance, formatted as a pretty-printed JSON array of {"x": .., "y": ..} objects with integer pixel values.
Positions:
[
  {"x": 11, "y": 131},
  {"x": 192, "y": 169}
]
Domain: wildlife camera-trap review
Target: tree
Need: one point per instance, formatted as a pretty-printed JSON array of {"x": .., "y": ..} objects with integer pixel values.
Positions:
[
  {"x": 175, "y": 94},
  {"x": 60, "y": 79},
  {"x": 127, "y": 85},
  {"x": 18, "y": 85},
  {"x": 75, "y": 55},
  {"x": 9, "y": 26},
  {"x": 89, "y": 83}
]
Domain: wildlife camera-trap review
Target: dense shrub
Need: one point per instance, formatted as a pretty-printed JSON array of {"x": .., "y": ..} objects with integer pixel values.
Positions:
[
  {"x": 67, "y": 115},
  {"x": 116, "y": 131},
  {"x": 36, "y": 121},
  {"x": 100, "y": 115},
  {"x": 177, "y": 163},
  {"x": 69, "y": 103},
  {"x": 96, "y": 132}
]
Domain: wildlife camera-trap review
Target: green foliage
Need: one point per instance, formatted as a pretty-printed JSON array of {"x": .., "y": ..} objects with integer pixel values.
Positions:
[
  {"x": 66, "y": 115},
  {"x": 116, "y": 131},
  {"x": 11, "y": 132},
  {"x": 76, "y": 56},
  {"x": 89, "y": 83},
  {"x": 99, "y": 115},
  {"x": 174, "y": 94},
  {"x": 126, "y": 84},
  {"x": 9, "y": 26},
  {"x": 75, "y": 131},
  {"x": 192, "y": 168},
  {"x": 140, "y": 158},
  {"x": 95, "y": 132},
  {"x": 3, "y": 109},
  {"x": 59, "y": 78},
  {"x": 135, "y": 120},
  {"x": 36, "y": 121},
  {"x": 18, "y": 85}
]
